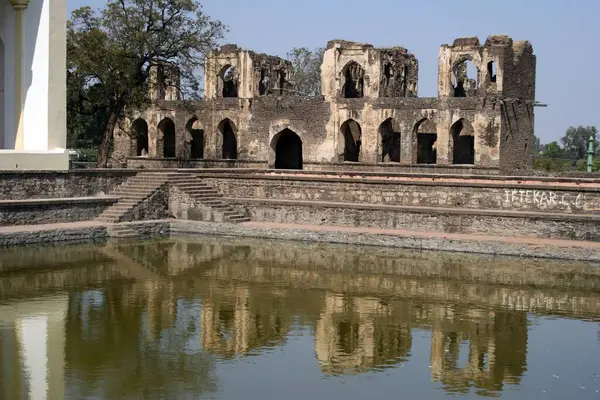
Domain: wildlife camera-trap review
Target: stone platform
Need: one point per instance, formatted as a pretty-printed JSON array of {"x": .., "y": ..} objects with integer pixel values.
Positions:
[{"x": 408, "y": 209}]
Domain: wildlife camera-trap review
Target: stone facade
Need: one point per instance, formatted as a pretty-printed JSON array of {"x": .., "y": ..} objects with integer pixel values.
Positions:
[{"x": 368, "y": 114}]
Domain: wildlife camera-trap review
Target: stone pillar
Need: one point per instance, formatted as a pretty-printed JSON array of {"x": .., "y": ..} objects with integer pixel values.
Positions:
[{"x": 19, "y": 6}]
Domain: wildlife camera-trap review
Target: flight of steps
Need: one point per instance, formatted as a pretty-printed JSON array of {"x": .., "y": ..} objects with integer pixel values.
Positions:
[
  {"x": 119, "y": 231},
  {"x": 206, "y": 195},
  {"x": 132, "y": 192}
]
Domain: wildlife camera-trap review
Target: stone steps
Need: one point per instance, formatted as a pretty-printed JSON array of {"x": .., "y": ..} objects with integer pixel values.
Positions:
[
  {"x": 121, "y": 232},
  {"x": 131, "y": 193},
  {"x": 207, "y": 196}
]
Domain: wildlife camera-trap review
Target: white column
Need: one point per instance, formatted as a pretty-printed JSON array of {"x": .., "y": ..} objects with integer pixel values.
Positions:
[{"x": 19, "y": 6}]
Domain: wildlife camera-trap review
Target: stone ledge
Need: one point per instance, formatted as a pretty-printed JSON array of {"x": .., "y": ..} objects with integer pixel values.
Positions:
[
  {"x": 566, "y": 250},
  {"x": 433, "y": 182},
  {"x": 57, "y": 201},
  {"x": 418, "y": 209}
]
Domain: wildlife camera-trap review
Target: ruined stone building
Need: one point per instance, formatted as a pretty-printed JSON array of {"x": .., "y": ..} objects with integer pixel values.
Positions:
[{"x": 368, "y": 116}]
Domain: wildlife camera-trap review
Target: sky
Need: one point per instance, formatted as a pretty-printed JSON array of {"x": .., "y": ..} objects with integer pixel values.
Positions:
[{"x": 565, "y": 36}]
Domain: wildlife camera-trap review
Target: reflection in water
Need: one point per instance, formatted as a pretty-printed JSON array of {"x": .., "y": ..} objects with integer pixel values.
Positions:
[{"x": 155, "y": 319}]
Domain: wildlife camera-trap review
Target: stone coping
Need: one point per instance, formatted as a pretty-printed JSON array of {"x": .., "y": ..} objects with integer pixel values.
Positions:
[
  {"x": 416, "y": 209},
  {"x": 420, "y": 182},
  {"x": 89, "y": 231},
  {"x": 58, "y": 201}
]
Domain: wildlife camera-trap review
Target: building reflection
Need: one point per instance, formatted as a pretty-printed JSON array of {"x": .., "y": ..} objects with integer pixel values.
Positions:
[
  {"x": 477, "y": 348},
  {"x": 356, "y": 334},
  {"x": 156, "y": 316}
]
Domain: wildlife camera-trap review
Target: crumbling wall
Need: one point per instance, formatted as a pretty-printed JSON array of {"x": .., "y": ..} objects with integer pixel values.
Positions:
[{"x": 399, "y": 73}]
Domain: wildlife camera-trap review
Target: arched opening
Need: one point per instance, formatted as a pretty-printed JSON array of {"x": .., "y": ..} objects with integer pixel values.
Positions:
[
  {"x": 426, "y": 133},
  {"x": 167, "y": 128},
  {"x": 228, "y": 81},
  {"x": 196, "y": 132},
  {"x": 2, "y": 120},
  {"x": 463, "y": 142},
  {"x": 139, "y": 131},
  {"x": 492, "y": 71},
  {"x": 288, "y": 150},
  {"x": 227, "y": 129},
  {"x": 351, "y": 136},
  {"x": 263, "y": 84},
  {"x": 353, "y": 77},
  {"x": 465, "y": 78},
  {"x": 390, "y": 142}
]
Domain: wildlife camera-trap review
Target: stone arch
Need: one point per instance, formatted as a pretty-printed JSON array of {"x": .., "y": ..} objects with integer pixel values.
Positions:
[
  {"x": 389, "y": 141},
  {"x": 139, "y": 136},
  {"x": 228, "y": 85},
  {"x": 166, "y": 127},
  {"x": 353, "y": 80},
  {"x": 2, "y": 97},
  {"x": 196, "y": 132},
  {"x": 426, "y": 141},
  {"x": 463, "y": 142},
  {"x": 228, "y": 135},
  {"x": 351, "y": 137},
  {"x": 462, "y": 82},
  {"x": 287, "y": 148}
]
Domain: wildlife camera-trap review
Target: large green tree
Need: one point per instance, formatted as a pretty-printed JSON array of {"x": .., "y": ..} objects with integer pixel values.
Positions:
[
  {"x": 307, "y": 70},
  {"x": 576, "y": 140},
  {"x": 110, "y": 53}
]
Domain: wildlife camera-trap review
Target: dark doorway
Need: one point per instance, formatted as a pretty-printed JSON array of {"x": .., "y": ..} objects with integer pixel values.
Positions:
[
  {"x": 351, "y": 133},
  {"x": 226, "y": 128},
  {"x": 426, "y": 151},
  {"x": 139, "y": 129},
  {"x": 354, "y": 78},
  {"x": 426, "y": 135},
  {"x": 167, "y": 128},
  {"x": 390, "y": 142},
  {"x": 197, "y": 143},
  {"x": 463, "y": 143},
  {"x": 288, "y": 151}
]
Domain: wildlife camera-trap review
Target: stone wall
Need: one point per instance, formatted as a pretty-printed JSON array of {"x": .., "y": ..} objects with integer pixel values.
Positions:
[
  {"x": 426, "y": 220},
  {"x": 74, "y": 183},
  {"x": 460, "y": 194},
  {"x": 32, "y": 212}
]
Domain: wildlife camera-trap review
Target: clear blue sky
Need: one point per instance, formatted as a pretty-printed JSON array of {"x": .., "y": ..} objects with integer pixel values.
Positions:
[{"x": 565, "y": 37}]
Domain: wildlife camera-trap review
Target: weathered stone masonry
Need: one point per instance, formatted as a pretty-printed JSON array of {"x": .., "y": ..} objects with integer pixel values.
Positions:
[{"x": 369, "y": 113}]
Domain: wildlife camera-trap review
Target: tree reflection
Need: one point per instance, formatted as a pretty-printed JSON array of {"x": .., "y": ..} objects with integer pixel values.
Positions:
[{"x": 119, "y": 348}]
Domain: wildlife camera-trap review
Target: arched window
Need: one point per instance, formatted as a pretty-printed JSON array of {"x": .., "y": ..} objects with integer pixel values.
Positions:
[
  {"x": 465, "y": 78},
  {"x": 389, "y": 141},
  {"x": 228, "y": 81},
  {"x": 353, "y": 78},
  {"x": 167, "y": 129},
  {"x": 351, "y": 137},
  {"x": 264, "y": 84},
  {"x": 139, "y": 133},
  {"x": 194, "y": 128},
  {"x": 492, "y": 71},
  {"x": 426, "y": 135},
  {"x": 229, "y": 140},
  {"x": 463, "y": 142},
  {"x": 288, "y": 150}
]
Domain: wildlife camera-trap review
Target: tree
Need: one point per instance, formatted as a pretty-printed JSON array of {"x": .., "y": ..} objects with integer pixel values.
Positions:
[
  {"x": 110, "y": 54},
  {"x": 553, "y": 150},
  {"x": 307, "y": 69},
  {"x": 537, "y": 145},
  {"x": 575, "y": 142}
]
